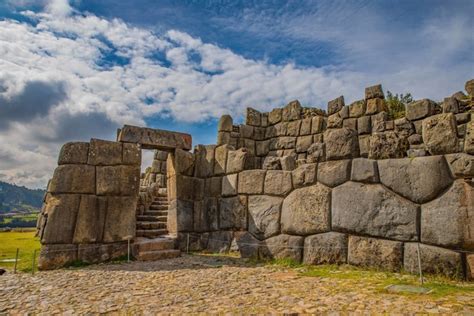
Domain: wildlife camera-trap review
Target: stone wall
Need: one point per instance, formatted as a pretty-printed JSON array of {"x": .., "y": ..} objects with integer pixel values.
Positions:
[
  {"x": 89, "y": 209},
  {"x": 152, "y": 180},
  {"x": 349, "y": 187}
]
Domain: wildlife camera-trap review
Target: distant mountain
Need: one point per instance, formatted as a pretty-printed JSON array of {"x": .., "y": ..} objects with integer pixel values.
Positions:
[{"x": 15, "y": 198}]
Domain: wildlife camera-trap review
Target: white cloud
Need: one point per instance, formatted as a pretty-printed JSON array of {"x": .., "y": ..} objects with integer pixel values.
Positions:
[{"x": 111, "y": 75}]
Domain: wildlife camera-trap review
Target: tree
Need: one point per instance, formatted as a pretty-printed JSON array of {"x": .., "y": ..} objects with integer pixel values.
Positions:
[{"x": 396, "y": 104}]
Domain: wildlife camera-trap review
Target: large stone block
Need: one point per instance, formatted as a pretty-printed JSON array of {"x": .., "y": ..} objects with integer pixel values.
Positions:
[
  {"x": 212, "y": 187},
  {"x": 251, "y": 181},
  {"x": 305, "y": 128},
  {"x": 220, "y": 159},
  {"x": 378, "y": 253},
  {"x": 375, "y": 106},
  {"x": 364, "y": 125},
  {"x": 236, "y": 160},
  {"x": 326, "y": 248},
  {"x": 180, "y": 216},
  {"x": 470, "y": 266},
  {"x": 118, "y": 180},
  {"x": 90, "y": 219},
  {"x": 365, "y": 170},
  {"x": 73, "y": 179},
  {"x": 204, "y": 160},
  {"x": 104, "y": 153},
  {"x": 73, "y": 153},
  {"x": 219, "y": 242},
  {"x": 120, "y": 219},
  {"x": 293, "y": 128},
  {"x": 334, "y": 173},
  {"x": 419, "y": 179},
  {"x": 233, "y": 212},
  {"x": 150, "y": 138},
  {"x": 469, "y": 87},
  {"x": 292, "y": 111},
  {"x": 341, "y": 143},
  {"x": 225, "y": 123},
  {"x": 56, "y": 256},
  {"x": 420, "y": 109},
  {"x": 264, "y": 215},
  {"x": 253, "y": 117},
  {"x": 317, "y": 152},
  {"x": 387, "y": 145},
  {"x": 335, "y": 105},
  {"x": 304, "y": 175},
  {"x": 288, "y": 163},
  {"x": 282, "y": 247},
  {"x": 246, "y": 244},
  {"x": 303, "y": 143},
  {"x": 469, "y": 138},
  {"x": 246, "y": 131},
  {"x": 461, "y": 165},
  {"x": 440, "y": 134},
  {"x": 318, "y": 124},
  {"x": 370, "y": 209},
  {"x": 306, "y": 211},
  {"x": 183, "y": 162},
  {"x": 277, "y": 182},
  {"x": 274, "y": 116},
  {"x": 374, "y": 92},
  {"x": 61, "y": 211},
  {"x": 287, "y": 142},
  {"x": 357, "y": 108},
  {"x": 206, "y": 215},
  {"x": 229, "y": 185},
  {"x": 335, "y": 120},
  {"x": 95, "y": 253},
  {"x": 449, "y": 220},
  {"x": 433, "y": 260},
  {"x": 132, "y": 154},
  {"x": 262, "y": 147}
]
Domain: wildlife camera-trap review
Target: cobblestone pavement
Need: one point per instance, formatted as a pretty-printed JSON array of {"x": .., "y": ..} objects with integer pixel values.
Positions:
[{"x": 206, "y": 284}]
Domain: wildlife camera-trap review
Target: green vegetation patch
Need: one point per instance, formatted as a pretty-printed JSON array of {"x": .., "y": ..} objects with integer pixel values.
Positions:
[{"x": 26, "y": 242}]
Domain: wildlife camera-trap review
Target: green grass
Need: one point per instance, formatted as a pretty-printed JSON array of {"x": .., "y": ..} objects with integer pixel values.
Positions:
[
  {"x": 440, "y": 286},
  {"x": 26, "y": 242}
]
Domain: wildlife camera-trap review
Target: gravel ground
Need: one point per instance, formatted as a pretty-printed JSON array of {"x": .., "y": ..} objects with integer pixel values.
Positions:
[{"x": 204, "y": 284}]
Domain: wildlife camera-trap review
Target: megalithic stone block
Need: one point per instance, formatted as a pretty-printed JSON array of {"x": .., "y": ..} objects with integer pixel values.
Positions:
[{"x": 151, "y": 138}]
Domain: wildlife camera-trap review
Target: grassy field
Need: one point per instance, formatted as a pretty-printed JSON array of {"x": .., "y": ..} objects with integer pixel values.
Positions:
[{"x": 25, "y": 241}]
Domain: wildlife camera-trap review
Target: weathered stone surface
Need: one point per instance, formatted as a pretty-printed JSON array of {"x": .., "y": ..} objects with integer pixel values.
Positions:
[
  {"x": 374, "y": 92},
  {"x": 304, "y": 175},
  {"x": 264, "y": 119},
  {"x": 246, "y": 244},
  {"x": 370, "y": 209},
  {"x": 433, "y": 260},
  {"x": 415, "y": 139},
  {"x": 364, "y": 145},
  {"x": 104, "y": 153},
  {"x": 387, "y": 145},
  {"x": 61, "y": 211},
  {"x": 264, "y": 215},
  {"x": 184, "y": 162},
  {"x": 416, "y": 152},
  {"x": 73, "y": 179},
  {"x": 365, "y": 170},
  {"x": 253, "y": 117},
  {"x": 350, "y": 123},
  {"x": 224, "y": 138},
  {"x": 288, "y": 163},
  {"x": 189, "y": 188},
  {"x": 275, "y": 116},
  {"x": 233, "y": 212},
  {"x": 317, "y": 152},
  {"x": 271, "y": 163},
  {"x": 420, "y": 109},
  {"x": 205, "y": 215},
  {"x": 220, "y": 159},
  {"x": 161, "y": 155},
  {"x": 286, "y": 142},
  {"x": 470, "y": 267},
  {"x": 73, "y": 153},
  {"x": 262, "y": 147},
  {"x": 282, "y": 247},
  {"x": 292, "y": 111},
  {"x": 306, "y": 211},
  {"x": 120, "y": 219},
  {"x": 317, "y": 124},
  {"x": 378, "y": 253},
  {"x": 419, "y": 180},
  {"x": 469, "y": 138},
  {"x": 440, "y": 134},
  {"x": 251, "y": 181},
  {"x": 357, "y": 108},
  {"x": 448, "y": 221},
  {"x": 335, "y": 105},
  {"x": 461, "y": 165},
  {"x": 212, "y": 187},
  {"x": 204, "y": 160},
  {"x": 225, "y": 123},
  {"x": 246, "y": 131},
  {"x": 90, "y": 219},
  {"x": 341, "y": 144},
  {"x": 469, "y": 87},
  {"x": 334, "y": 173},
  {"x": 335, "y": 120},
  {"x": 305, "y": 128},
  {"x": 364, "y": 125},
  {"x": 450, "y": 105},
  {"x": 56, "y": 256},
  {"x": 404, "y": 127},
  {"x": 150, "y": 138},
  {"x": 132, "y": 154},
  {"x": 118, "y": 180},
  {"x": 326, "y": 248},
  {"x": 220, "y": 241},
  {"x": 375, "y": 106},
  {"x": 180, "y": 216},
  {"x": 293, "y": 128},
  {"x": 303, "y": 143},
  {"x": 229, "y": 185},
  {"x": 379, "y": 122},
  {"x": 101, "y": 253},
  {"x": 277, "y": 182},
  {"x": 236, "y": 160}
]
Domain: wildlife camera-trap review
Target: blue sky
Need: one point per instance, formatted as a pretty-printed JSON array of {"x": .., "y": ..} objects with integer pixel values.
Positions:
[{"x": 72, "y": 70}]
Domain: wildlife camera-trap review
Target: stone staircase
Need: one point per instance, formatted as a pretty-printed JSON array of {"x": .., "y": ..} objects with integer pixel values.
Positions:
[
  {"x": 152, "y": 242},
  {"x": 153, "y": 222}
]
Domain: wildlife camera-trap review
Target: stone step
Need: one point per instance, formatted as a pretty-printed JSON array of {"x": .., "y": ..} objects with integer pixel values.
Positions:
[
  {"x": 156, "y": 213},
  {"x": 160, "y": 243},
  {"x": 151, "y": 233},
  {"x": 161, "y": 198},
  {"x": 148, "y": 218},
  {"x": 151, "y": 225},
  {"x": 158, "y": 255},
  {"x": 158, "y": 207}
]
